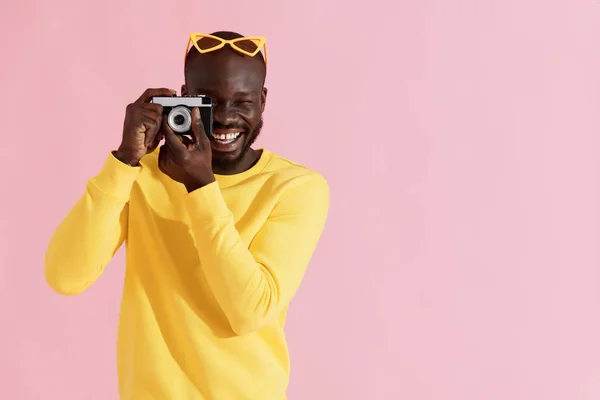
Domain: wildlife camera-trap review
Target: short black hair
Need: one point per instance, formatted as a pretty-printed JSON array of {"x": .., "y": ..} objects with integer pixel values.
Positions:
[{"x": 227, "y": 35}]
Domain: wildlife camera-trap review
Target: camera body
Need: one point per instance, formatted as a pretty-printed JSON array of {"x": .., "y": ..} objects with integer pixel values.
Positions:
[{"x": 178, "y": 112}]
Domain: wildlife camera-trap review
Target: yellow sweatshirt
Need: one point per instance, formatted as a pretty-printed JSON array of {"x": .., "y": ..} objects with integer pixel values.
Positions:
[{"x": 209, "y": 274}]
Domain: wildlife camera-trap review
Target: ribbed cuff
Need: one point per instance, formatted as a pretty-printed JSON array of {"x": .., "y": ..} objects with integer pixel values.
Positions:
[
  {"x": 116, "y": 178},
  {"x": 206, "y": 203}
]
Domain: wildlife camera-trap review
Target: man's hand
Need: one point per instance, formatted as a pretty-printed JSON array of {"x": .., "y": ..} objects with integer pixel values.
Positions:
[
  {"x": 185, "y": 160},
  {"x": 141, "y": 129}
]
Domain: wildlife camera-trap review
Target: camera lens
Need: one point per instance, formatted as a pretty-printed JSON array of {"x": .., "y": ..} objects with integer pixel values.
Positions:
[{"x": 180, "y": 119}]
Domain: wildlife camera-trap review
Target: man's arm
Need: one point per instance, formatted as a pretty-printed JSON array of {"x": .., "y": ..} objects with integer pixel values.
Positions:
[
  {"x": 253, "y": 284},
  {"x": 85, "y": 241},
  {"x": 96, "y": 226}
]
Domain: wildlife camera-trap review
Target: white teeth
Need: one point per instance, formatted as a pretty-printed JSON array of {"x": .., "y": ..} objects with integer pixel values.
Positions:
[{"x": 226, "y": 138}]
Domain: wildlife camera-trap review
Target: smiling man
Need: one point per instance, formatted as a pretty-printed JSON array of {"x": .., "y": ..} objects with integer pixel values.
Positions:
[{"x": 218, "y": 236}]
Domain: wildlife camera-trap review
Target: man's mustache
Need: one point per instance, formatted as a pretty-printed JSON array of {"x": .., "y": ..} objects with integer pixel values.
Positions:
[{"x": 243, "y": 127}]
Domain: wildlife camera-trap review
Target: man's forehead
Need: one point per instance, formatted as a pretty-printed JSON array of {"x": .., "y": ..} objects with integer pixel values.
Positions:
[
  {"x": 226, "y": 67},
  {"x": 224, "y": 82}
]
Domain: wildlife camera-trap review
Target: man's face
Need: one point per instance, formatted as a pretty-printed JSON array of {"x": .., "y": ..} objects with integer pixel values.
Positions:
[{"x": 235, "y": 84}]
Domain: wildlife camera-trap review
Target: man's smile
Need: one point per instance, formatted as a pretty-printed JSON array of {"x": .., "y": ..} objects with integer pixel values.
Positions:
[{"x": 227, "y": 140}]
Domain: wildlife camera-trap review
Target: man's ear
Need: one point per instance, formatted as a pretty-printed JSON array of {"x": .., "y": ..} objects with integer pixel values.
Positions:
[
  {"x": 263, "y": 99},
  {"x": 183, "y": 90}
]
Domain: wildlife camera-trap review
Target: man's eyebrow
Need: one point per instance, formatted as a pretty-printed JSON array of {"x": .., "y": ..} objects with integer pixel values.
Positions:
[{"x": 246, "y": 92}]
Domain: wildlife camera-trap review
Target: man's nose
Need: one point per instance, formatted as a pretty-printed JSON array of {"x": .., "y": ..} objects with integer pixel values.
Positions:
[{"x": 224, "y": 114}]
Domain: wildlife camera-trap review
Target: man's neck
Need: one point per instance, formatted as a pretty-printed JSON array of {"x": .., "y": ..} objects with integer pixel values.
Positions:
[{"x": 248, "y": 161}]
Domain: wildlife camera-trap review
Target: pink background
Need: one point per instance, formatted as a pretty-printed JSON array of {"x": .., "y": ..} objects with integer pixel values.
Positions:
[{"x": 460, "y": 138}]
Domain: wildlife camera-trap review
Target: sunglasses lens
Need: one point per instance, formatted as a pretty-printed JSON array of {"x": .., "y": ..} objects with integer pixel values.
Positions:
[
  {"x": 249, "y": 45},
  {"x": 207, "y": 43}
]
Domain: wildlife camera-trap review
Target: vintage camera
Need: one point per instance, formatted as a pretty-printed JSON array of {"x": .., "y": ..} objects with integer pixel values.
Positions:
[{"x": 178, "y": 112}]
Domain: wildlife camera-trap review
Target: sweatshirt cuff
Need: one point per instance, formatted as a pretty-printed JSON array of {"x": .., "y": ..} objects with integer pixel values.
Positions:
[
  {"x": 116, "y": 178},
  {"x": 206, "y": 203}
]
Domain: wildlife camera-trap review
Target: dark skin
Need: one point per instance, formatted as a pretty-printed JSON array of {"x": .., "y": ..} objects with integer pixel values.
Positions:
[{"x": 236, "y": 85}]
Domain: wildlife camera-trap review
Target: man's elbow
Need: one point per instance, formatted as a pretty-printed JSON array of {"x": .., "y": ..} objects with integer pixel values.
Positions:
[
  {"x": 245, "y": 325},
  {"x": 63, "y": 287},
  {"x": 60, "y": 280}
]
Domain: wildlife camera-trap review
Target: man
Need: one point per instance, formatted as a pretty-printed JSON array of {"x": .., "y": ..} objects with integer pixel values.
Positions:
[{"x": 218, "y": 237}]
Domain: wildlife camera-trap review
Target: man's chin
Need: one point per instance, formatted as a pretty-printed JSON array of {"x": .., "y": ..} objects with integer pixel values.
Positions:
[
  {"x": 229, "y": 158},
  {"x": 224, "y": 161}
]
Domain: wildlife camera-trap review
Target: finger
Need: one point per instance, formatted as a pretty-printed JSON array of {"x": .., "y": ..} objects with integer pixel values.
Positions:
[
  {"x": 151, "y": 107},
  {"x": 152, "y": 124},
  {"x": 151, "y": 115},
  {"x": 163, "y": 157},
  {"x": 175, "y": 144},
  {"x": 156, "y": 117},
  {"x": 200, "y": 137},
  {"x": 187, "y": 142},
  {"x": 155, "y": 142},
  {"x": 150, "y": 93}
]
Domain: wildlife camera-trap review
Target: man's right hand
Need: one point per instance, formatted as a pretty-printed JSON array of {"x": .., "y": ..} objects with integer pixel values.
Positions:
[{"x": 141, "y": 129}]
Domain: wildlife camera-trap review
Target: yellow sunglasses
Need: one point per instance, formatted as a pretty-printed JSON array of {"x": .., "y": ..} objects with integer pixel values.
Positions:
[{"x": 249, "y": 46}]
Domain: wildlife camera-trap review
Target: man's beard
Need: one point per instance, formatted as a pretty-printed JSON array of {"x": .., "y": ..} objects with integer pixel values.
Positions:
[
  {"x": 253, "y": 137},
  {"x": 225, "y": 164}
]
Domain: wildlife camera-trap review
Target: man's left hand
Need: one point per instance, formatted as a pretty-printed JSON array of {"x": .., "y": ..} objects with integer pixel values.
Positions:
[{"x": 185, "y": 160}]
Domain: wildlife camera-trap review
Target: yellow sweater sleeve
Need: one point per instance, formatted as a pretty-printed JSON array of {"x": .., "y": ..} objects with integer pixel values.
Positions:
[
  {"x": 254, "y": 283},
  {"x": 93, "y": 230}
]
